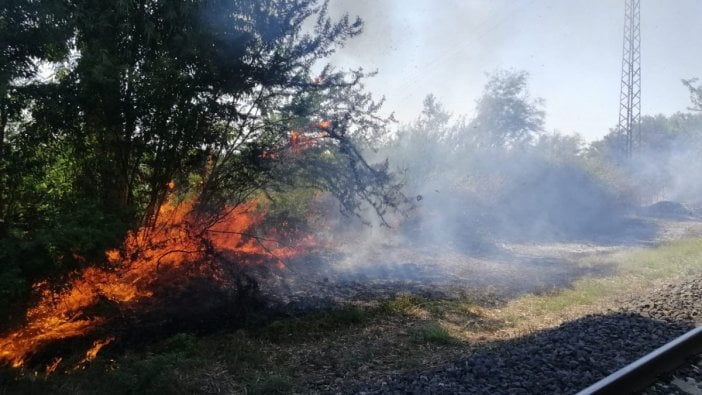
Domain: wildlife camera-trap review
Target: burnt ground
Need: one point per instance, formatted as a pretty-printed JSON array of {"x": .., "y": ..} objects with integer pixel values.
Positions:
[
  {"x": 391, "y": 333},
  {"x": 384, "y": 265}
]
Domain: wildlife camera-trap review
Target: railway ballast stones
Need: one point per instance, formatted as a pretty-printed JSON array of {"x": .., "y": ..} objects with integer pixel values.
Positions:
[{"x": 565, "y": 359}]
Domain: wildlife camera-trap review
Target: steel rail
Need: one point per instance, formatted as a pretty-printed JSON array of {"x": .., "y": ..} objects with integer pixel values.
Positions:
[{"x": 645, "y": 370}]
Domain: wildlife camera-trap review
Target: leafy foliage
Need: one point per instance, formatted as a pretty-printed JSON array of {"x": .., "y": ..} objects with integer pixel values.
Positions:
[
  {"x": 664, "y": 164},
  {"x": 506, "y": 115},
  {"x": 109, "y": 107}
]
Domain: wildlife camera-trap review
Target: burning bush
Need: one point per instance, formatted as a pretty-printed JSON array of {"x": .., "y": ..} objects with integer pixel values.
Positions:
[
  {"x": 214, "y": 102},
  {"x": 182, "y": 268}
]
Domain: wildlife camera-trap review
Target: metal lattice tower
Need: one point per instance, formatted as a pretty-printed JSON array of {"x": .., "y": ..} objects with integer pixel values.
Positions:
[{"x": 630, "y": 95}]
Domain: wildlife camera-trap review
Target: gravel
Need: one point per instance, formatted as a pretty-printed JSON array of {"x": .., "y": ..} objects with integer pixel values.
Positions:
[
  {"x": 685, "y": 380},
  {"x": 680, "y": 302},
  {"x": 570, "y": 357}
]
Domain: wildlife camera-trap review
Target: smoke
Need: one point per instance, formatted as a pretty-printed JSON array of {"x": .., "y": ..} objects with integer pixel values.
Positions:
[
  {"x": 518, "y": 216},
  {"x": 416, "y": 45},
  {"x": 668, "y": 165},
  {"x": 686, "y": 169},
  {"x": 476, "y": 205}
]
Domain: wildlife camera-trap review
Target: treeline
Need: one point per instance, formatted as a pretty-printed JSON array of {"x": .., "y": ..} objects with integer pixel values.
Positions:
[{"x": 498, "y": 174}]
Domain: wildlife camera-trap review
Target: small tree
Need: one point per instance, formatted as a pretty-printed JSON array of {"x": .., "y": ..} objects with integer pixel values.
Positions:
[
  {"x": 506, "y": 115},
  {"x": 424, "y": 146}
]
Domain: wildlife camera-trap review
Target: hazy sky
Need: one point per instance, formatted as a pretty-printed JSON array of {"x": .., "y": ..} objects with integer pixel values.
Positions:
[{"x": 571, "y": 48}]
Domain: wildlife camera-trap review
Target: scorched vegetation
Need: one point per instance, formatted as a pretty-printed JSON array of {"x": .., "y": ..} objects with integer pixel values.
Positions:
[
  {"x": 144, "y": 145},
  {"x": 193, "y": 199}
]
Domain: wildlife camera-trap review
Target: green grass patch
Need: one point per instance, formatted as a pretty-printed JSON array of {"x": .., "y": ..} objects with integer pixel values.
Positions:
[
  {"x": 319, "y": 324},
  {"x": 404, "y": 304},
  {"x": 434, "y": 333},
  {"x": 633, "y": 270},
  {"x": 585, "y": 291},
  {"x": 462, "y": 314},
  {"x": 413, "y": 305},
  {"x": 670, "y": 259}
]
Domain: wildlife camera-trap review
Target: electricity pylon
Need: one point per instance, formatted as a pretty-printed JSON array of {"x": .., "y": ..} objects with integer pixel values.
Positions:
[{"x": 630, "y": 94}]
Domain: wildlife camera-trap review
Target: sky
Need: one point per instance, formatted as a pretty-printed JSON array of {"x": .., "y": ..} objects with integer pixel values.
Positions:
[{"x": 572, "y": 50}]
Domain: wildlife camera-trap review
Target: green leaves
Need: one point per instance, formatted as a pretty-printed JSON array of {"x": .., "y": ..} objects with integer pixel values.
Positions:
[
  {"x": 203, "y": 93},
  {"x": 507, "y": 116}
]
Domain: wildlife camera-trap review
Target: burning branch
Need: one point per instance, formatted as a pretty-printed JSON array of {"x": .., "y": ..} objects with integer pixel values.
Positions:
[{"x": 136, "y": 273}]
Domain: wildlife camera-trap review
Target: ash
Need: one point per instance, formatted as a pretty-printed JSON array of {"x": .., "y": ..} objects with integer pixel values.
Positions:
[{"x": 363, "y": 270}]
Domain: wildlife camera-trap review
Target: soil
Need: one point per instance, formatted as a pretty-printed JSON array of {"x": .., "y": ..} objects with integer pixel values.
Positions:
[{"x": 387, "y": 266}]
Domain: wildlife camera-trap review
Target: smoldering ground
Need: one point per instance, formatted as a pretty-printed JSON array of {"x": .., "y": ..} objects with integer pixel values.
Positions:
[{"x": 518, "y": 217}]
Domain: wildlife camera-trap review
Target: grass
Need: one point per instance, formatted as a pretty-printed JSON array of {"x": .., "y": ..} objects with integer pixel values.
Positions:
[
  {"x": 270, "y": 385},
  {"x": 434, "y": 333},
  {"x": 315, "y": 325},
  {"x": 330, "y": 350},
  {"x": 182, "y": 364},
  {"x": 635, "y": 271},
  {"x": 671, "y": 259}
]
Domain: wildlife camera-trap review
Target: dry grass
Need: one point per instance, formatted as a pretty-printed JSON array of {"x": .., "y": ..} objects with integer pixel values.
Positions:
[
  {"x": 636, "y": 272},
  {"x": 334, "y": 350}
]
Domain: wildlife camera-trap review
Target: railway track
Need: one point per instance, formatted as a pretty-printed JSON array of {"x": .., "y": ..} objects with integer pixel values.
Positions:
[
  {"x": 595, "y": 349},
  {"x": 686, "y": 379},
  {"x": 642, "y": 373}
]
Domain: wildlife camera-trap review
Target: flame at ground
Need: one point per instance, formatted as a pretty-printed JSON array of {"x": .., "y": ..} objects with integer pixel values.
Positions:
[
  {"x": 178, "y": 241},
  {"x": 95, "y": 349}
]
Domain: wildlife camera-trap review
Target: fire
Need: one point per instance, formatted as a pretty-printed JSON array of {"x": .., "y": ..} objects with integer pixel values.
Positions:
[
  {"x": 300, "y": 142},
  {"x": 50, "y": 368},
  {"x": 95, "y": 349},
  {"x": 178, "y": 241}
]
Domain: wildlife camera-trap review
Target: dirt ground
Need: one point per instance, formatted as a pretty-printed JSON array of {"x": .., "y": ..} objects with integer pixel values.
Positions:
[{"x": 389, "y": 265}]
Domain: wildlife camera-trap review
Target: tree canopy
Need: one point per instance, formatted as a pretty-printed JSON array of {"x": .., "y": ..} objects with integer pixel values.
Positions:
[
  {"x": 506, "y": 114},
  {"x": 109, "y": 107}
]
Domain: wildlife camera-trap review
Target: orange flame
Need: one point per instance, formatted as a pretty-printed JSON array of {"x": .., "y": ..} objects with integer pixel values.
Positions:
[
  {"x": 50, "y": 368},
  {"x": 95, "y": 349},
  {"x": 177, "y": 239},
  {"x": 300, "y": 142}
]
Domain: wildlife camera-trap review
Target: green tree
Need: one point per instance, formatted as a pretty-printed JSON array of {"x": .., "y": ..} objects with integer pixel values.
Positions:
[
  {"x": 204, "y": 95},
  {"x": 171, "y": 87},
  {"x": 30, "y": 32},
  {"x": 506, "y": 114},
  {"x": 560, "y": 148},
  {"x": 424, "y": 146},
  {"x": 161, "y": 89}
]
